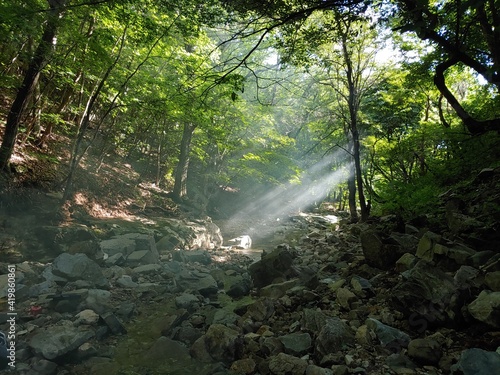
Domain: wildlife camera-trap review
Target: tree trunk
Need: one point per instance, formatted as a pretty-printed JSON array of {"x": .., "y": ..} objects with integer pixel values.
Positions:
[
  {"x": 181, "y": 172},
  {"x": 29, "y": 83}
]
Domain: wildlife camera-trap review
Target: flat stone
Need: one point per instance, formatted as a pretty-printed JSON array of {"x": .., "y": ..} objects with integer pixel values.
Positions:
[
  {"x": 296, "y": 343},
  {"x": 477, "y": 362},
  {"x": 388, "y": 336},
  {"x": 59, "y": 340}
]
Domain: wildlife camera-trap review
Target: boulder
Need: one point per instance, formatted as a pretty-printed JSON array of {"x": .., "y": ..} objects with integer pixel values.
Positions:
[
  {"x": 477, "y": 361},
  {"x": 334, "y": 336},
  {"x": 285, "y": 364},
  {"x": 296, "y": 343},
  {"x": 57, "y": 341},
  {"x": 272, "y": 266},
  {"x": 389, "y": 337},
  {"x": 378, "y": 251},
  {"x": 220, "y": 343},
  {"x": 486, "y": 308},
  {"x": 425, "y": 351},
  {"x": 78, "y": 267},
  {"x": 429, "y": 292}
]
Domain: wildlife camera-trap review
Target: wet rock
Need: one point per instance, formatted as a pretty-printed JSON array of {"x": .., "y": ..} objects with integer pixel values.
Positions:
[
  {"x": 220, "y": 343},
  {"x": 334, "y": 336},
  {"x": 272, "y": 266},
  {"x": 425, "y": 351},
  {"x": 486, "y": 308},
  {"x": 57, "y": 341},
  {"x": 389, "y": 337},
  {"x": 296, "y": 343},
  {"x": 285, "y": 364},
  {"x": 477, "y": 362},
  {"x": 78, "y": 267}
]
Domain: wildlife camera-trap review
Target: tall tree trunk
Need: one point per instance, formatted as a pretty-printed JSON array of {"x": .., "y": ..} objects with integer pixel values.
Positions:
[
  {"x": 181, "y": 172},
  {"x": 25, "y": 92}
]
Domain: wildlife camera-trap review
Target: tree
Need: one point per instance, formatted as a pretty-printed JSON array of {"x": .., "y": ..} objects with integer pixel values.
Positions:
[
  {"x": 25, "y": 91},
  {"x": 463, "y": 33}
]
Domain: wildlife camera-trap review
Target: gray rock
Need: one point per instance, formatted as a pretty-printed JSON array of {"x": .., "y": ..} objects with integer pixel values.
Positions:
[
  {"x": 278, "y": 290},
  {"x": 427, "y": 246},
  {"x": 345, "y": 298},
  {"x": 142, "y": 257},
  {"x": 120, "y": 244},
  {"x": 147, "y": 269},
  {"x": 239, "y": 286},
  {"x": 260, "y": 310},
  {"x": 313, "y": 320},
  {"x": 334, "y": 336},
  {"x": 316, "y": 370},
  {"x": 244, "y": 366},
  {"x": 126, "y": 281},
  {"x": 406, "y": 262},
  {"x": 192, "y": 256},
  {"x": 296, "y": 343},
  {"x": 115, "y": 259},
  {"x": 425, "y": 351},
  {"x": 486, "y": 308},
  {"x": 378, "y": 251},
  {"x": 44, "y": 367},
  {"x": 221, "y": 343},
  {"x": 429, "y": 292},
  {"x": 272, "y": 266},
  {"x": 165, "y": 349},
  {"x": 285, "y": 364},
  {"x": 78, "y": 267},
  {"x": 98, "y": 300},
  {"x": 87, "y": 317},
  {"x": 477, "y": 362},
  {"x": 388, "y": 336},
  {"x": 114, "y": 324},
  {"x": 223, "y": 316},
  {"x": 187, "y": 301},
  {"x": 59, "y": 340}
]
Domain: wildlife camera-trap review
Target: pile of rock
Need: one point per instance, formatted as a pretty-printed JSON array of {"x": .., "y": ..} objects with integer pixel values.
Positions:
[{"x": 355, "y": 300}]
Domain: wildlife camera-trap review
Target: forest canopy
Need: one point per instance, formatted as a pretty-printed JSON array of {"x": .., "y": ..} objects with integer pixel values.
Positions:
[{"x": 381, "y": 104}]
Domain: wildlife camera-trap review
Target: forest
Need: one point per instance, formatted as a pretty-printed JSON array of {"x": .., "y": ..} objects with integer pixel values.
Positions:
[
  {"x": 374, "y": 106},
  {"x": 227, "y": 187}
]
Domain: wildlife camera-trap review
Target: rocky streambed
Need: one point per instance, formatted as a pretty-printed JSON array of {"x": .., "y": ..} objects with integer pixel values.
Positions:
[{"x": 333, "y": 298}]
